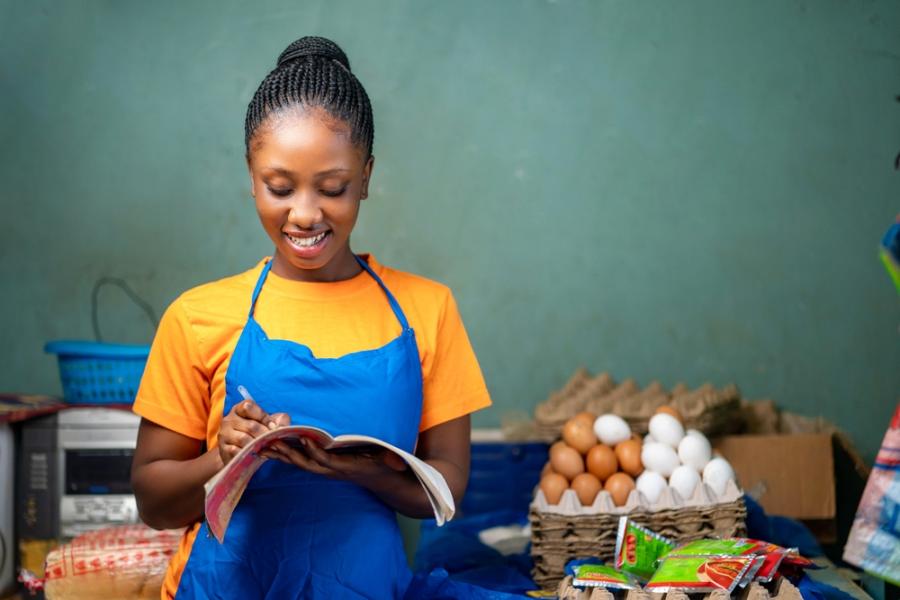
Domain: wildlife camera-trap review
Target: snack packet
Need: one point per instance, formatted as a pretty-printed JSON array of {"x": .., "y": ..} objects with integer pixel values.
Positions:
[
  {"x": 699, "y": 574},
  {"x": 718, "y": 547},
  {"x": 639, "y": 550},
  {"x": 604, "y": 576}
]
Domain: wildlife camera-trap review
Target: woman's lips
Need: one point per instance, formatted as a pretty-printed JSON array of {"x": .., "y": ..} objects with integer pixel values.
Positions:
[{"x": 306, "y": 245}]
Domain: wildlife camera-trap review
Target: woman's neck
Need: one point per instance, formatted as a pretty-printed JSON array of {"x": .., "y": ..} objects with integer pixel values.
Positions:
[{"x": 341, "y": 267}]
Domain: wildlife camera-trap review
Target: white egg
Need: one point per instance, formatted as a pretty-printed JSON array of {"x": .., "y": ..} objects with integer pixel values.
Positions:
[
  {"x": 694, "y": 432},
  {"x": 694, "y": 450},
  {"x": 651, "y": 484},
  {"x": 659, "y": 457},
  {"x": 717, "y": 473},
  {"x": 684, "y": 480},
  {"x": 666, "y": 429},
  {"x": 648, "y": 439},
  {"x": 611, "y": 429}
]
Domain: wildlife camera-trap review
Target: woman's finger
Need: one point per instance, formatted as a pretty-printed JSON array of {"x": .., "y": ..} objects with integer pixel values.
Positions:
[
  {"x": 235, "y": 437},
  {"x": 249, "y": 409},
  {"x": 248, "y": 426},
  {"x": 303, "y": 461},
  {"x": 278, "y": 420}
]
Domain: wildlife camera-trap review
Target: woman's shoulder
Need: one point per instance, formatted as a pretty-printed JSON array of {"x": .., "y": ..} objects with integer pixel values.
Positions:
[
  {"x": 404, "y": 283},
  {"x": 225, "y": 297}
]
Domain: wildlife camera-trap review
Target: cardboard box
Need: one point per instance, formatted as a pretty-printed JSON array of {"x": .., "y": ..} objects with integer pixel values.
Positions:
[
  {"x": 813, "y": 477},
  {"x": 790, "y": 475}
]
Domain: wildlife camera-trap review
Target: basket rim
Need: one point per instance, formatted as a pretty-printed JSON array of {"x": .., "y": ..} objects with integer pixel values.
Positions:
[{"x": 91, "y": 349}]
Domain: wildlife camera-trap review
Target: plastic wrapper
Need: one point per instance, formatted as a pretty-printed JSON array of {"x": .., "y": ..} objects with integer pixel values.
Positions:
[
  {"x": 874, "y": 541},
  {"x": 639, "y": 550},
  {"x": 118, "y": 563},
  {"x": 700, "y": 574},
  {"x": 602, "y": 576}
]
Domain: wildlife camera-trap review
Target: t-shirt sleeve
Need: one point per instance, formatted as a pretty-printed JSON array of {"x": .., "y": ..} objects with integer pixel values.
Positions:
[
  {"x": 453, "y": 385},
  {"x": 174, "y": 390}
]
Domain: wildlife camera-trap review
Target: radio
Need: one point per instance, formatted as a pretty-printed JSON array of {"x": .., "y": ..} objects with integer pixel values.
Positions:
[{"x": 75, "y": 473}]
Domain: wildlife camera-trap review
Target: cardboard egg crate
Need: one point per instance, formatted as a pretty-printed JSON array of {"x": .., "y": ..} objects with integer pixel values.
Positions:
[
  {"x": 780, "y": 589},
  {"x": 707, "y": 409},
  {"x": 569, "y": 530}
]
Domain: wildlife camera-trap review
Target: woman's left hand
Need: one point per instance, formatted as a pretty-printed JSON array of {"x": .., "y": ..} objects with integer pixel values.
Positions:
[{"x": 358, "y": 467}]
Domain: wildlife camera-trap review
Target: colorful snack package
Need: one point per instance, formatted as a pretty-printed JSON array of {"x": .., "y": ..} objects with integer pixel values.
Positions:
[
  {"x": 699, "y": 574},
  {"x": 604, "y": 576},
  {"x": 639, "y": 550},
  {"x": 718, "y": 547},
  {"x": 751, "y": 573}
]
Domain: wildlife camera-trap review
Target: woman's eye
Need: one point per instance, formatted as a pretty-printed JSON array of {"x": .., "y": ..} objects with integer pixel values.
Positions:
[
  {"x": 333, "y": 193},
  {"x": 281, "y": 192}
]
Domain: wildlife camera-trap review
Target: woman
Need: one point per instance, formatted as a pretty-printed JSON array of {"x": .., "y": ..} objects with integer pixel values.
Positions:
[{"x": 318, "y": 335}]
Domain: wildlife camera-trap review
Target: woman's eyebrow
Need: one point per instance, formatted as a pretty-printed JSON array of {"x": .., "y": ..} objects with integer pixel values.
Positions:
[{"x": 289, "y": 173}]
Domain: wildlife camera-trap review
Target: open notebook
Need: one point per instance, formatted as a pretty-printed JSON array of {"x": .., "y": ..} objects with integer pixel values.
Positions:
[{"x": 225, "y": 488}]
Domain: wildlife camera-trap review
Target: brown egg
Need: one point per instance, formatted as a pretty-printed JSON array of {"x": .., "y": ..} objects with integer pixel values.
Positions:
[
  {"x": 567, "y": 461},
  {"x": 553, "y": 485},
  {"x": 601, "y": 462},
  {"x": 579, "y": 434},
  {"x": 588, "y": 418},
  {"x": 619, "y": 485},
  {"x": 547, "y": 469},
  {"x": 628, "y": 454},
  {"x": 556, "y": 444},
  {"x": 586, "y": 486},
  {"x": 670, "y": 410}
]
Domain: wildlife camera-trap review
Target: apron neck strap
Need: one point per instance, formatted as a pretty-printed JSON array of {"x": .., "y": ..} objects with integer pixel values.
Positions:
[{"x": 395, "y": 306}]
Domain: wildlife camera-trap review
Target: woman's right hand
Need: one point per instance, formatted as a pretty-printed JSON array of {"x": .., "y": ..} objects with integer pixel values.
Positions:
[{"x": 245, "y": 422}]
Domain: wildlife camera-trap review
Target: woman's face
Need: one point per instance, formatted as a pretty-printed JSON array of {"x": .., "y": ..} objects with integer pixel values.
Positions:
[{"x": 308, "y": 179}]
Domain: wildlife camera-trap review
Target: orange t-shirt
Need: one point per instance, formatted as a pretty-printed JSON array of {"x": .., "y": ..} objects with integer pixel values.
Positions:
[{"x": 183, "y": 387}]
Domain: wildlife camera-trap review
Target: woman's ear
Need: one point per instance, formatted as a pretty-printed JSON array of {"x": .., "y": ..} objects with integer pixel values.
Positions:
[{"x": 367, "y": 175}]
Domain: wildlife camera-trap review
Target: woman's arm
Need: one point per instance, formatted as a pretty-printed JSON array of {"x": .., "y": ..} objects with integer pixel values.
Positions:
[
  {"x": 169, "y": 470},
  {"x": 445, "y": 447},
  {"x": 167, "y": 476}
]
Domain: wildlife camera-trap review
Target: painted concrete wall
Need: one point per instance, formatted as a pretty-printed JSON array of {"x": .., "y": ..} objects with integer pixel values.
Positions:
[{"x": 684, "y": 191}]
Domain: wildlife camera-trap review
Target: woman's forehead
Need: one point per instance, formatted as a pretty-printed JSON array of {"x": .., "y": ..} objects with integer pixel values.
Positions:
[{"x": 305, "y": 136}]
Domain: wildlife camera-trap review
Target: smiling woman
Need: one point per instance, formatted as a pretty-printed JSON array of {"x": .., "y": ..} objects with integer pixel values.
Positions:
[{"x": 319, "y": 334}]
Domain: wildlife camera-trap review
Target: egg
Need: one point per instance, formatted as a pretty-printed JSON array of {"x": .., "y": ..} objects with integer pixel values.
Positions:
[
  {"x": 659, "y": 457},
  {"x": 649, "y": 439},
  {"x": 666, "y": 429},
  {"x": 694, "y": 451},
  {"x": 586, "y": 487},
  {"x": 553, "y": 485},
  {"x": 602, "y": 462},
  {"x": 670, "y": 410},
  {"x": 684, "y": 480},
  {"x": 717, "y": 473},
  {"x": 579, "y": 434},
  {"x": 628, "y": 453},
  {"x": 588, "y": 417},
  {"x": 611, "y": 429},
  {"x": 567, "y": 461},
  {"x": 651, "y": 484},
  {"x": 547, "y": 469},
  {"x": 619, "y": 485}
]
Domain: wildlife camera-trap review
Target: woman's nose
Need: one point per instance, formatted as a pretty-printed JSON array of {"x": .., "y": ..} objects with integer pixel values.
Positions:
[{"x": 305, "y": 211}]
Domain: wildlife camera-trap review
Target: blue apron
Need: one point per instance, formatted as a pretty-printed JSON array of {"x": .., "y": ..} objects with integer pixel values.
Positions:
[{"x": 295, "y": 534}]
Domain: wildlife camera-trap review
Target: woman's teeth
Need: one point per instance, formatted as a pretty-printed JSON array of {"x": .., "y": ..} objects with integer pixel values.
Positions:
[{"x": 306, "y": 242}]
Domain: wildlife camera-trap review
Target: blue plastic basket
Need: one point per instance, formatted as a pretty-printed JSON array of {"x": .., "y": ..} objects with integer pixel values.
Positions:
[{"x": 97, "y": 372}]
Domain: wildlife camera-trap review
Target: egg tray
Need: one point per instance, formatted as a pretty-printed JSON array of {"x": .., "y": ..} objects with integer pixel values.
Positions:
[
  {"x": 780, "y": 589},
  {"x": 569, "y": 530},
  {"x": 708, "y": 409}
]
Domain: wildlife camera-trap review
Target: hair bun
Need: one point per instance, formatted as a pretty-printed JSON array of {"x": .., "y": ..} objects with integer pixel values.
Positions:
[{"x": 314, "y": 46}]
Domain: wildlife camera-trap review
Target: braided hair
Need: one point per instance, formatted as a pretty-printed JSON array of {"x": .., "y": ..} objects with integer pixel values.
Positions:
[{"x": 313, "y": 72}]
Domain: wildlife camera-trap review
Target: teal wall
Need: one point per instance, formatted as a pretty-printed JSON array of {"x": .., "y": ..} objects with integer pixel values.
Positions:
[{"x": 676, "y": 190}]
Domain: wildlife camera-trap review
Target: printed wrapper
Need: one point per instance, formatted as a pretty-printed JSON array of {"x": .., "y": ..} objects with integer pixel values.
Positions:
[
  {"x": 874, "y": 541},
  {"x": 638, "y": 550},
  {"x": 699, "y": 574},
  {"x": 126, "y": 562},
  {"x": 589, "y": 575}
]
